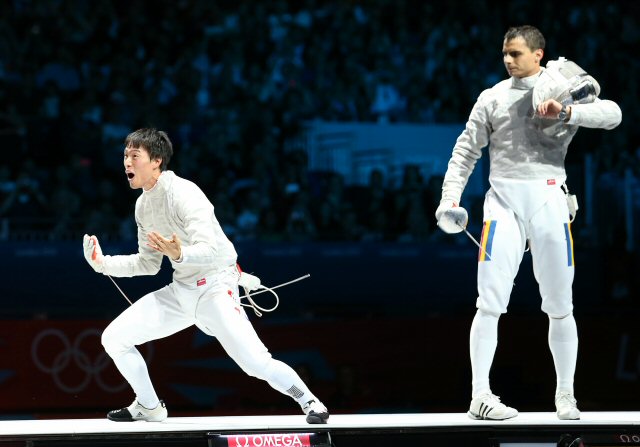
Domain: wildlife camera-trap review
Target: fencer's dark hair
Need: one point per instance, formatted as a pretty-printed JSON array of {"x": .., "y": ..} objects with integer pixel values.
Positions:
[
  {"x": 156, "y": 142},
  {"x": 531, "y": 35}
]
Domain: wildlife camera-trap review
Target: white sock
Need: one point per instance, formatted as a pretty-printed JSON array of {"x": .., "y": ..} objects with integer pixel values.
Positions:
[
  {"x": 283, "y": 378},
  {"x": 133, "y": 368},
  {"x": 563, "y": 342},
  {"x": 483, "y": 341}
]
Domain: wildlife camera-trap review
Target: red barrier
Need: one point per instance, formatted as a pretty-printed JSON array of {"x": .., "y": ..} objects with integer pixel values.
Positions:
[{"x": 418, "y": 364}]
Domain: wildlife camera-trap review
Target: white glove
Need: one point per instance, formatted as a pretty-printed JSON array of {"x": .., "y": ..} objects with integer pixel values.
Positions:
[
  {"x": 93, "y": 252},
  {"x": 451, "y": 218},
  {"x": 249, "y": 282}
]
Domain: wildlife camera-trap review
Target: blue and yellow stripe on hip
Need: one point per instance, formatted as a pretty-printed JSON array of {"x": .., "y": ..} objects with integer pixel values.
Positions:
[
  {"x": 569, "y": 239},
  {"x": 486, "y": 240}
]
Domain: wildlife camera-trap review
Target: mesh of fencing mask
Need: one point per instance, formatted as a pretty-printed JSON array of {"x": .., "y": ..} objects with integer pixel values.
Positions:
[{"x": 567, "y": 83}]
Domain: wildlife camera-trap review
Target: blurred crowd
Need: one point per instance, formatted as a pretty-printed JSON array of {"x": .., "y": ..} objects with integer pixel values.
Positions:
[{"x": 234, "y": 84}]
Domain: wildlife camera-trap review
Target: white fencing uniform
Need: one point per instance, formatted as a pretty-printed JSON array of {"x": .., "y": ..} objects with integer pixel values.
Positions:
[
  {"x": 525, "y": 203},
  {"x": 204, "y": 292},
  {"x": 526, "y": 175}
]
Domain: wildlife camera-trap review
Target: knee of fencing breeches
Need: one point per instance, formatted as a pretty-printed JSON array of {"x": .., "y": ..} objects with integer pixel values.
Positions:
[
  {"x": 559, "y": 317},
  {"x": 558, "y": 306},
  {"x": 492, "y": 304},
  {"x": 489, "y": 313},
  {"x": 112, "y": 343}
]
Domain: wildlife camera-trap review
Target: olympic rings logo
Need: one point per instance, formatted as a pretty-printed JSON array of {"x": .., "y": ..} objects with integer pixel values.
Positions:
[{"x": 72, "y": 355}]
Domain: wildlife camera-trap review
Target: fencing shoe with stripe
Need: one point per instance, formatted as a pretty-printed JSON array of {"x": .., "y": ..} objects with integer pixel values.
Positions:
[
  {"x": 136, "y": 412},
  {"x": 567, "y": 406},
  {"x": 316, "y": 412},
  {"x": 488, "y": 406}
]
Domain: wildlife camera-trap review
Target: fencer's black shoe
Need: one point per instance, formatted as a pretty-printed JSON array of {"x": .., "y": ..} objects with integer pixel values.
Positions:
[
  {"x": 316, "y": 412},
  {"x": 136, "y": 412}
]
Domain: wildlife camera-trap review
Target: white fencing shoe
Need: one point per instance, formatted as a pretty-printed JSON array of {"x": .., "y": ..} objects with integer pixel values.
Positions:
[
  {"x": 136, "y": 412},
  {"x": 488, "y": 406},
  {"x": 567, "y": 406},
  {"x": 316, "y": 412}
]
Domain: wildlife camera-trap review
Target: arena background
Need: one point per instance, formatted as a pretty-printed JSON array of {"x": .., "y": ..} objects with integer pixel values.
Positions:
[{"x": 320, "y": 131}]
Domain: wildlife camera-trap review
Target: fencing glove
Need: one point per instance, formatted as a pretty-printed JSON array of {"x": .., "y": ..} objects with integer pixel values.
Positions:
[
  {"x": 451, "y": 218},
  {"x": 93, "y": 252},
  {"x": 249, "y": 282}
]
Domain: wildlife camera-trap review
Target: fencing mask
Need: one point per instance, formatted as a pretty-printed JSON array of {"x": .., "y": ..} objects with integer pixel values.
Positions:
[{"x": 567, "y": 83}]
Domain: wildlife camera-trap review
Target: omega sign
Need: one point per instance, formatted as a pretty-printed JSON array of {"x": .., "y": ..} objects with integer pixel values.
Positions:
[{"x": 269, "y": 440}]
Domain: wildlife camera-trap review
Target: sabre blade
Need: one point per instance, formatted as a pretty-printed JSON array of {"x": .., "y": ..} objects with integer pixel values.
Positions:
[
  {"x": 475, "y": 242},
  {"x": 120, "y": 290}
]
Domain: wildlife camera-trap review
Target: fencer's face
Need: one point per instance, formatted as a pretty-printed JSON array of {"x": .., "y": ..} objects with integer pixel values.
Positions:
[
  {"x": 142, "y": 172},
  {"x": 519, "y": 60}
]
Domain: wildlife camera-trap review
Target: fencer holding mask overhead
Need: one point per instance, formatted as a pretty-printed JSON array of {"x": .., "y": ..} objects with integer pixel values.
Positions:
[{"x": 527, "y": 121}]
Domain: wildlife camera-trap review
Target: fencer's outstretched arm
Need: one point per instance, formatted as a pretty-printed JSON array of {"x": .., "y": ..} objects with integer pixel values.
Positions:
[
  {"x": 123, "y": 265},
  {"x": 146, "y": 262}
]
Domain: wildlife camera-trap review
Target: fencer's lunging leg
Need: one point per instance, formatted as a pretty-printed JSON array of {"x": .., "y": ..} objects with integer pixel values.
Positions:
[
  {"x": 483, "y": 341},
  {"x": 221, "y": 316},
  {"x": 563, "y": 342}
]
